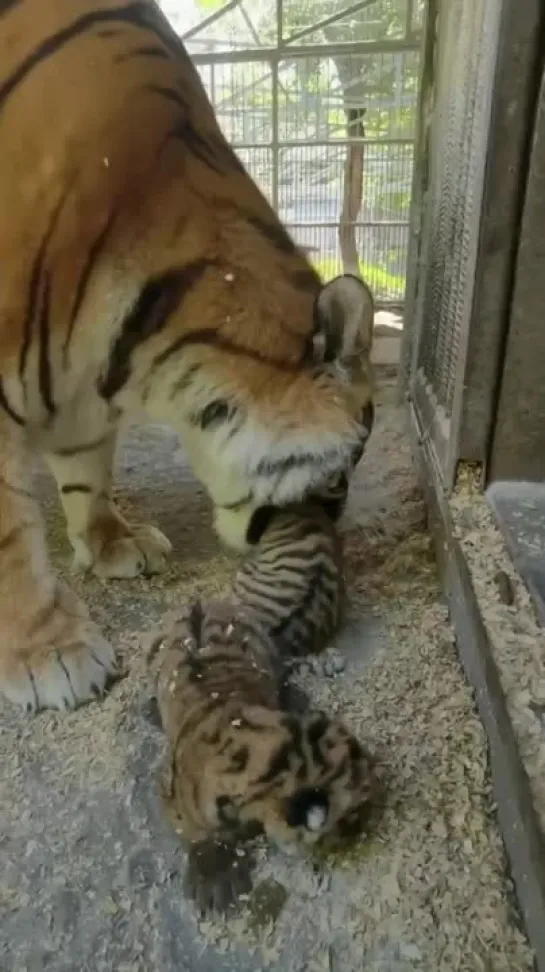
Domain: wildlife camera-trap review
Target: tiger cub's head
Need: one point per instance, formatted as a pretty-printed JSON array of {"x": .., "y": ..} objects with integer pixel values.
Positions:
[
  {"x": 300, "y": 779},
  {"x": 317, "y": 783},
  {"x": 339, "y": 351}
]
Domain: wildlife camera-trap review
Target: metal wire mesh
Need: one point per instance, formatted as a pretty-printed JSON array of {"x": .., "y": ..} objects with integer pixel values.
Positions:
[
  {"x": 464, "y": 73},
  {"x": 300, "y": 112}
]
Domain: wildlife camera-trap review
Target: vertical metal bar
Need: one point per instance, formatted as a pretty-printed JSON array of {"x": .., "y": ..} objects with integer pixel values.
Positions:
[
  {"x": 275, "y": 154},
  {"x": 409, "y": 19},
  {"x": 213, "y": 84}
]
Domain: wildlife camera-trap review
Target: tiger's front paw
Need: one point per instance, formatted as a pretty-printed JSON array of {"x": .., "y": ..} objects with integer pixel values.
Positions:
[
  {"x": 57, "y": 659},
  {"x": 218, "y": 875},
  {"x": 114, "y": 548}
]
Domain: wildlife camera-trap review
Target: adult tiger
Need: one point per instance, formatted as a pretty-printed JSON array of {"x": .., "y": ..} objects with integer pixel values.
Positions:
[{"x": 141, "y": 268}]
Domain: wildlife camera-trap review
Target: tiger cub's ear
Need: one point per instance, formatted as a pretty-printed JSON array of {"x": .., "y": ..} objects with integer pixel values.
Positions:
[{"x": 343, "y": 320}]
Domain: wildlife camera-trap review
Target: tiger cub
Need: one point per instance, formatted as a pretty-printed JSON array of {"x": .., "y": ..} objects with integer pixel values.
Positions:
[
  {"x": 294, "y": 583},
  {"x": 240, "y": 760}
]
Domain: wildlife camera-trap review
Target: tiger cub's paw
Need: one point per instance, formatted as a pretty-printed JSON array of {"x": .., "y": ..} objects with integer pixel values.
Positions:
[
  {"x": 217, "y": 877},
  {"x": 59, "y": 662},
  {"x": 118, "y": 549}
]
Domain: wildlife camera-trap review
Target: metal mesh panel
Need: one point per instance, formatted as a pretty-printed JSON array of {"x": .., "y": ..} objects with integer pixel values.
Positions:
[
  {"x": 300, "y": 165},
  {"x": 464, "y": 64},
  {"x": 319, "y": 101}
]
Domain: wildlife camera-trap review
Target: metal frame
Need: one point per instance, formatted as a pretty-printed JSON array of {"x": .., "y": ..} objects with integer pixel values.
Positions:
[
  {"x": 288, "y": 48},
  {"x": 442, "y": 430},
  {"x": 498, "y": 394},
  {"x": 518, "y": 443},
  {"x": 284, "y": 51}
]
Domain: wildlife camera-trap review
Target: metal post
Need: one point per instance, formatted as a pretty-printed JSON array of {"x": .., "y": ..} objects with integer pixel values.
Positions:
[
  {"x": 409, "y": 19},
  {"x": 274, "y": 134}
]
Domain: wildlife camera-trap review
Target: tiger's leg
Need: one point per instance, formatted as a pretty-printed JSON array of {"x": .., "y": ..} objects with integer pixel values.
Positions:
[
  {"x": 101, "y": 538},
  {"x": 51, "y": 653}
]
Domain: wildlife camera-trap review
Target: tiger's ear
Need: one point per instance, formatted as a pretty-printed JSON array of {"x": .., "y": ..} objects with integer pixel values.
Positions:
[{"x": 343, "y": 320}]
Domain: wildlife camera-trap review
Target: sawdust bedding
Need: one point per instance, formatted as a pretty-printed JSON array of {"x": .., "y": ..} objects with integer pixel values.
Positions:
[
  {"x": 516, "y": 638},
  {"x": 427, "y": 891}
]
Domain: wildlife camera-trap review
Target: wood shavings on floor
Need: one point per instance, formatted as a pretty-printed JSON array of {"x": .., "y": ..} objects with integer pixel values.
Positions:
[
  {"x": 516, "y": 638},
  {"x": 91, "y": 871},
  {"x": 429, "y": 889}
]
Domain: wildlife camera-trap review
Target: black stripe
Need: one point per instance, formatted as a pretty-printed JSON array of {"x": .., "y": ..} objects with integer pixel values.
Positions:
[
  {"x": 155, "y": 20},
  {"x": 33, "y": 684},
  {"x": 274, "y": 233},
  {"x": 210, "y": 337},
  {"x": 76, "y": 488},
  {"x": 184, "y": 382},
  {"x": 279, "y": 763},
  {"x": 110, "y": 32},
  {"x": 29, "y": 316},
  {"x": 195, "y": 722},
  {"x": 270, "y": 467},
  {"x": 259, "y": 522},
  {"x": 152, "y": 50},
  {"x": 44, "y": 362},
  {"x": 157, "y": 300},
  {"x": 35, "y": 281},
  {"x": 195, "y": 622},
  {"x": 367, "y": 418},
  {"x": 6, "y": 5},
  {"x": 207, "y": 336},
  {"x": 237, "y": 504},
  {"x": 92, "y": 256},
  {"x": 209, "y": 151},
  {"x": 7, "y": 407},
  {"x": 70, "y": 451},
  {"x": 137, "y": 14},
  {"x": 96, "y": 659},
  {"x": 275, "y": 601},
  {"x": 301, "y": 613},
  {"x": 170, "y": 94},
  {"x": 315, "y": 733},
  {"x": 239, "y": 760}
]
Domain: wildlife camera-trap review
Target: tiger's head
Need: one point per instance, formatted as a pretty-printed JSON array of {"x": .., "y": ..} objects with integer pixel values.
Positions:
[{"x": 317, "y": 433}]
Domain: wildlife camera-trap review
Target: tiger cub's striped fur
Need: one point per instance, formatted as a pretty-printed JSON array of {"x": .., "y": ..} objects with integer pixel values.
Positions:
[
  {"x": 142, "y": 272},
  {"x": 238, "y": 757},
  {"x": 294, "y": 582}
]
